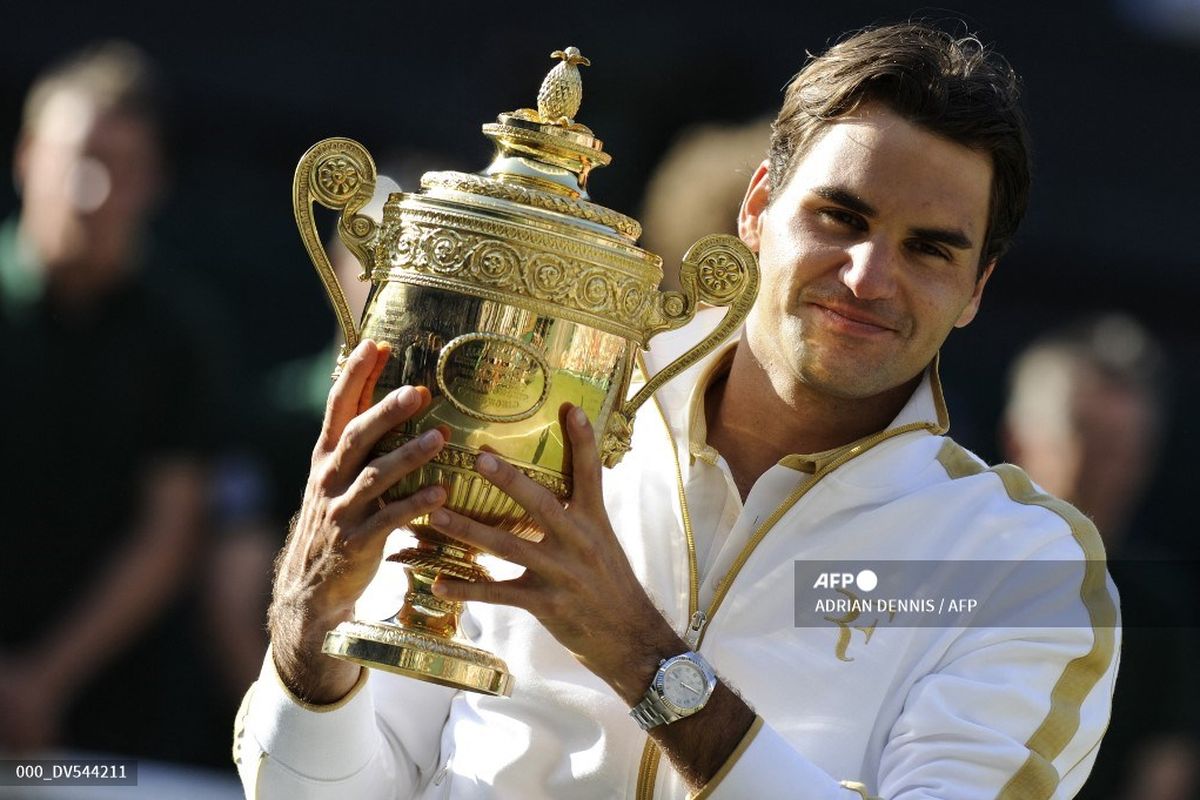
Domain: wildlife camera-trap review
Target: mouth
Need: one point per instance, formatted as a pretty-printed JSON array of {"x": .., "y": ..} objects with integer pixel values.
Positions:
[{"x": 853, "y": 321}]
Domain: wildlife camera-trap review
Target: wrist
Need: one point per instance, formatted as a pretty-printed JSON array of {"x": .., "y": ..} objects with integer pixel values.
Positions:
[
  {"x": 637, "y": 663},
  {"x": 317, "y": 680},
  {"x": 681, "y": 687},
  {"x": 296, "y": 639},
  {"x": 302, "y": 618}
]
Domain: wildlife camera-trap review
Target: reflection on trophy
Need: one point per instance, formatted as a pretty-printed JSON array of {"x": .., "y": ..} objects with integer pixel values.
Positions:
[{"x": 508, "y": 294}]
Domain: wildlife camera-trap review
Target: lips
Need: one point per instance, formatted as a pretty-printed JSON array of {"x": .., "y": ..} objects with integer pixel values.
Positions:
[{"x": 854, "y": 319}]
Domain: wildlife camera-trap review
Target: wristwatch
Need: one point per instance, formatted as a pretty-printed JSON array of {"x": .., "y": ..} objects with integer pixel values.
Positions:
[{"x": 680, "y": 688}]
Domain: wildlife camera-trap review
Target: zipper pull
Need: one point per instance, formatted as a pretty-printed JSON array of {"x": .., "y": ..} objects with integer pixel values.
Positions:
[{"x": 695, "y": 629}]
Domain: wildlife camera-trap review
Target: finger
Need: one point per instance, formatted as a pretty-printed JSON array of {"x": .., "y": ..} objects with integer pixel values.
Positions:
[
  {"x": 384, "y": 472},
  {"x": 367, "y": 397},
  {"x": 502, "y": 544},
  {"x": 544, "y": 507},
  {"x": 503, "y": 593},
  {"x": 364, "y": 431},
  {"x": 342, "y": 403},
  {"x": 352, "y": 557},
  {"x": 399, "y": 513},
  {"x": 585, "y": 459}
]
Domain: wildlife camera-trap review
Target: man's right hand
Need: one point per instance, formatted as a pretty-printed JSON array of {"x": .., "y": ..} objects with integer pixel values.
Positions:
[{"x": 336, "y": 542}]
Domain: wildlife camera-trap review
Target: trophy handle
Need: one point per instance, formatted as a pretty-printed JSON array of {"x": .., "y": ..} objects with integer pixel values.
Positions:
[
  {"x": 339, "y": 174},
  {"x": 718, "y": 270}
]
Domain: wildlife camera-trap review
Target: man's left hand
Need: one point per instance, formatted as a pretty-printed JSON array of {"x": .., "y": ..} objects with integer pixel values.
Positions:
[{"x": 577, "y": 581}]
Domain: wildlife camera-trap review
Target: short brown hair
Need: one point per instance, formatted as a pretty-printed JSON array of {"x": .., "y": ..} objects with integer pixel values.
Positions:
[
  {"x": 952, "y": 86},
  {"x": 1113, "y": 347},
  {"x": 115, "y": 76}
]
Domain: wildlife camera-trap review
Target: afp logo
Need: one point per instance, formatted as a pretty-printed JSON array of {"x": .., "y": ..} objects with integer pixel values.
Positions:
[{"x": 864, "y": 581}]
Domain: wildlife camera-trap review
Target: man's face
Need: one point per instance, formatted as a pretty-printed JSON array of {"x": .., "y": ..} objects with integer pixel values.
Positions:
[
  {"x": 869, "y": 255},
  {"x": 87, "y": 181},
  {"x": 1089, "y": 440}
]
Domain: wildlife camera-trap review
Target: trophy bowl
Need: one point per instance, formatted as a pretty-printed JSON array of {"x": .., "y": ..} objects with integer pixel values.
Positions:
[{"x": 508, "y": 294}]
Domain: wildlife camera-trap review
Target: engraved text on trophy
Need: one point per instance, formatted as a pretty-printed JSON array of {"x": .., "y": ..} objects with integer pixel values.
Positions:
[{"x": 493, "y": 377}]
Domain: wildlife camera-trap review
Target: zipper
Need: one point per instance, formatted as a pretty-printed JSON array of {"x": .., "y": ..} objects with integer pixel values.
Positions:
[
  {"x": 651, "y": 755},
  {"x": 695, "y": 629}
]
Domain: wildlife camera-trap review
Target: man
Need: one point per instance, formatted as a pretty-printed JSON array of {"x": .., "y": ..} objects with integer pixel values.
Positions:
[
  {"x": 1086, "y": 416},
  {"x": 105, "y": 413},
  {"x": 896, "y": 179}
]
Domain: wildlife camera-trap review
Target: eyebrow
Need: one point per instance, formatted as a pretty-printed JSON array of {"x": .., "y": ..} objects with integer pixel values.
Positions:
[
  {"x": 951, "y": 237},
  {"x": 842, "y": 197}
]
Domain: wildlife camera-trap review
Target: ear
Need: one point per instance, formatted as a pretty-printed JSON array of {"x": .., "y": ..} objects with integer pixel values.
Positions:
[
  {"x": 972, "y": 307},
  {"x": 754, "y": 205}
]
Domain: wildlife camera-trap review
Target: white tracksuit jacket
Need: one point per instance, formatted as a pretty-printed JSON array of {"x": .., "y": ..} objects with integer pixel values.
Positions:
[{"x": 1004, "y": 710}]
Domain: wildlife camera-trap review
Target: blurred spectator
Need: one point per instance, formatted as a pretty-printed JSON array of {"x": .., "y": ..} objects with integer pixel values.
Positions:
[
  {"x": 106, "y": 411},
  {"x": 1085, "y": 417},
  {"x": 698, "y": 186}
]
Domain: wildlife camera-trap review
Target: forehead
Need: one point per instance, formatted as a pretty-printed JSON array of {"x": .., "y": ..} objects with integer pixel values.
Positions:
[
  {"x": 899, "y": 168},
  {"x": 71, "y": 118}
]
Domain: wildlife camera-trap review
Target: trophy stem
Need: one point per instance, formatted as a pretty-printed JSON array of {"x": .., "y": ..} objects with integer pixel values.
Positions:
[
  {"x": 434, "y": 555},
  {"x": 418, "y": 641}
]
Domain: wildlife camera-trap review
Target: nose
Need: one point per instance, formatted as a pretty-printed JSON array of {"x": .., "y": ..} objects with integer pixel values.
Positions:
[{"x": 870, "y": 270}]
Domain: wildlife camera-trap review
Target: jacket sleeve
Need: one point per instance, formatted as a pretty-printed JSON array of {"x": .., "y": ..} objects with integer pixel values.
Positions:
[
  {"x": 996, "y": 721},
  {"x": 381, "y": 741},
  {"x": 764, "y": 764},
  {"x": 1008, "y": 712}
]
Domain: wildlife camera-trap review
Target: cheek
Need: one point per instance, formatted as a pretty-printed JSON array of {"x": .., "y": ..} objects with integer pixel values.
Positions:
[{"x": 938, "y": 305}]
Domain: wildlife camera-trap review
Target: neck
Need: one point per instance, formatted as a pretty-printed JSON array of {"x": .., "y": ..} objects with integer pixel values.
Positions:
[{"x": 753, "y": 424}]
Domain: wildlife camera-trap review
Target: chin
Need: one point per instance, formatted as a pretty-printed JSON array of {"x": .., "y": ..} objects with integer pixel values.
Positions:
[
  {"x": 845, "y": 384},
  {"x": 857, "y": 375}
]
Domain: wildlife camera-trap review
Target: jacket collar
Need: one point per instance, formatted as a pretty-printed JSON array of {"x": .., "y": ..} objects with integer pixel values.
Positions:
[{"x": 926, "y": 408}]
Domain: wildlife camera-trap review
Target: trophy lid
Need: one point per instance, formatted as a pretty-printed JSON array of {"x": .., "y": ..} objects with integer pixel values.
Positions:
[{"x": 543, "y": 156}]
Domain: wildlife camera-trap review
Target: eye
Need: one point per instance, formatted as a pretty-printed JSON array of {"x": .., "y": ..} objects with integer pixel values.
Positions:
[
  {"x": 845, "y": 218},
  {"x": 927, "y": 248}
]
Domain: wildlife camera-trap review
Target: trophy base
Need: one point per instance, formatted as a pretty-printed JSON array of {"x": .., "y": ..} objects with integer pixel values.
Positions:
[{"x": 392, "y": 648}]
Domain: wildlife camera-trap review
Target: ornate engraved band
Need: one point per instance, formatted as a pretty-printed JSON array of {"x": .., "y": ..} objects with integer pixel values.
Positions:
[
  {"x": 391, "y": 634},
  {"x": 580, "y": 209},
  {"x": 432, "y": 603},
  {"x": 462, "y": 459},
  {"x": 553, "y": 275},
  {"x": 427, "y": 561},
  {"x": 431, "y": 658}
]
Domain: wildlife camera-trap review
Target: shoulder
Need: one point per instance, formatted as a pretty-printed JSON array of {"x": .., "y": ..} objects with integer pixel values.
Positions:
[{"x": 1004, "y": 501}]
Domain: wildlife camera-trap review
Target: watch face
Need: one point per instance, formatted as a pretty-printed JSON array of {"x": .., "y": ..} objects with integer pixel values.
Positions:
[{"x": 683, "y": 685}]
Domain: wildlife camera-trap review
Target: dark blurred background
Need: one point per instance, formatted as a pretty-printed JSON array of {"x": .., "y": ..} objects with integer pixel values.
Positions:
[{"x": 1111, "y": 92}]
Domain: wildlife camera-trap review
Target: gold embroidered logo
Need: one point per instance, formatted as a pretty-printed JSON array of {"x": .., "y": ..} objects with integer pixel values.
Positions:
[{"x": 846, "y": 624}]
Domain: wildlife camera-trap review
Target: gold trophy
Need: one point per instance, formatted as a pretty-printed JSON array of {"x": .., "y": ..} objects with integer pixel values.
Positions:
[{"x": 507, "y": 293}]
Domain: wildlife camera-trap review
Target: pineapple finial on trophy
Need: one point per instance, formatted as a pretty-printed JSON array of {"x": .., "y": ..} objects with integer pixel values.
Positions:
[{"x": 562, "y": 89}]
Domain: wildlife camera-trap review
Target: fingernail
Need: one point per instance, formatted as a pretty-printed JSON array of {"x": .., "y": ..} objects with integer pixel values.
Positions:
[
  {"x": 439, "y": 517},
  {"x": 430, "y": 439},
  {"x": 578, "y": 417},
  {"x": 486, "y": 463},
  {"x": 405, "y": 396},
  {"x": 438, "y": 588},
  {"x": 434, "y": 494}
]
